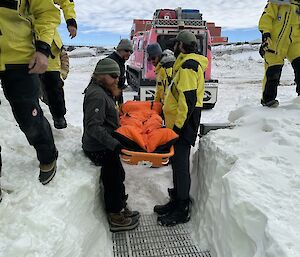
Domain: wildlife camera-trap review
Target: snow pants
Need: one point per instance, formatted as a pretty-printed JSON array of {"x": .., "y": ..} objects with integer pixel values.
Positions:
[
  {"x": 112, "y": 177},
  {"x": 52, "y": 85},
  {"x": 180, "y": 162},
  {"x": 21, "y": 89},
  {"x": 273, "y": 67}
]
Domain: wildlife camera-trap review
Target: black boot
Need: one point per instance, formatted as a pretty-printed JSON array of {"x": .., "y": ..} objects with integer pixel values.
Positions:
[
  {"x": 60, "y": 123},
  {"x": 180, "y": 214},
  {"x": 168, "y": 207}
]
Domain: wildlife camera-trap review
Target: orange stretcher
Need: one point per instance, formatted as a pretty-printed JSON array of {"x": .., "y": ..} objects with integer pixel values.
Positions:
[
  {"x": 147, "y": 159},
  {"x": 141, "y": 123}
]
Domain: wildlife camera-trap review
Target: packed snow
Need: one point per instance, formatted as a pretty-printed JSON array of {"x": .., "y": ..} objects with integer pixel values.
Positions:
[{"x": 245, "y": 180}]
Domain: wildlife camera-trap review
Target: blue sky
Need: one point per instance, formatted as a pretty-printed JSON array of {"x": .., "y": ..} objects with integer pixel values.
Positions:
[{"x": 103, "y": 23}]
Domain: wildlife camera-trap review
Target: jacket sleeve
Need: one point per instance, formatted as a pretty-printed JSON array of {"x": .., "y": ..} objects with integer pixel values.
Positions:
[
  {"x": 266, "y": 19},
  {"x": 68, "y": 8},
  {"x": 94, "y": 127},
  {"x": 159, "y": 90},
  {"x": 187, "y": 96},
  {"x": 46, "y": 19}
]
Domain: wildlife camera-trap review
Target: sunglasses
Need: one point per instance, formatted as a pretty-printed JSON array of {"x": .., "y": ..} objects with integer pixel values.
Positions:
[
  {"x": 127, "y": 51},
  {"x": 151, "y": 58},
  {"x": 114, "y": 76}
]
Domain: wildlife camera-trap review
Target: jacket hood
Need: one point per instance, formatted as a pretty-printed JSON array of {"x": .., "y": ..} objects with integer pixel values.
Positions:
[
  {"x": 203, "y": 61},
  {"x": 167, "y": 57}
]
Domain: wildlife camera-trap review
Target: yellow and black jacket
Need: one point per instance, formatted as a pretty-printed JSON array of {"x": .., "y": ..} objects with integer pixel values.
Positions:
[
  {"x": 283, "y": 24},
  {"x": 68, "y": 9},
  {"x": 17, "y": 44},
  {"x": 182, "y": 106},
  {"x": 163, "y": 79}
]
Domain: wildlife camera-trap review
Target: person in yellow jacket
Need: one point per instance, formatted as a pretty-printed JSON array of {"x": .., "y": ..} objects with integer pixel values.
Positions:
[
  {"x": 24, "y": 55},
  {"x": 182, "y": 111},
  {"x": 163, "y": 62},
  {"x": 280, "y": 28},
  {"x": 51, "y": 79}
]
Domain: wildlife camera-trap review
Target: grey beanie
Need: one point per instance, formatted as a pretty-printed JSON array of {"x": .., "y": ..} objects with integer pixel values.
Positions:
[
  {"x": 186, "y": 37},
  {"x": 107, "y": 66},
  {"x": 125, "y": 44},
  {"x": 154, "y": 50}
]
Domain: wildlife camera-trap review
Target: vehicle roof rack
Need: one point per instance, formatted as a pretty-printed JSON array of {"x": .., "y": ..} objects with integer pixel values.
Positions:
[{"x": 157, "y": 23}]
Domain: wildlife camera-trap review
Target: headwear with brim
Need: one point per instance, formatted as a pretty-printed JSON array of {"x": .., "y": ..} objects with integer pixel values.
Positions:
[
  {"x": 185, "y": 37},
  {"x": 107, "y": 66},
  {"x": 125, "y": 44}
]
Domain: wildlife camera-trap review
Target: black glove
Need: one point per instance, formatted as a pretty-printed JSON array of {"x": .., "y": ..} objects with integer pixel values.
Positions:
[
  {"x": 176, "y": 130},
  {"x": 264, "y": 44},
  {"x": 262, "y": 51},
  {"x": 118, "y": 149},
  {"x": 265, "y": 37},
  {"x": 71, "y": 22}
]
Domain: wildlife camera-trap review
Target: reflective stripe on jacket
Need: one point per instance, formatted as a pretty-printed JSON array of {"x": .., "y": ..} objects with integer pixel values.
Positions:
[
  {"x": 283, "y": 23},
  {"x": 186, "y": 90},
  {"x": 16, "y": 36}
]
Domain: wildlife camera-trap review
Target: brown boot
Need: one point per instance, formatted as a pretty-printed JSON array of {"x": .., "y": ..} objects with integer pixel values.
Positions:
[
  {"x": 128, "y": 213},
  {"x": 118, "y": 222}
]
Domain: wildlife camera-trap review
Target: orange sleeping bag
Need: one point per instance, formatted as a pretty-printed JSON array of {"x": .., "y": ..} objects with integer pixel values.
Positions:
[{"x": 141, "y": 128}]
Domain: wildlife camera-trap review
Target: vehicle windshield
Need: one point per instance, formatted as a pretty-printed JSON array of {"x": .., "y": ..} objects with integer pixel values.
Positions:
[{"x": 164, "y": 41}]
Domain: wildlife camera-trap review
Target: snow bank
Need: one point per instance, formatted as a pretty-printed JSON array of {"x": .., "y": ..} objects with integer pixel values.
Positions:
[
  {"x": 64, "y": 218},
  {"x": 249, "y": 179},
  {"x": 233, "y": 49},
  {"x": 83, "y": 52}
]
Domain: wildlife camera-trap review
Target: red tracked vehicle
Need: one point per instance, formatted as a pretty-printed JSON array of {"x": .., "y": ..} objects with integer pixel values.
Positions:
[{"x": 166, "y": 24}]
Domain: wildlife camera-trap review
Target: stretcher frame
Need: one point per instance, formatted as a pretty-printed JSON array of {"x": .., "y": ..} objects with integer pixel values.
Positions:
[{"x": 147, "y": 159}]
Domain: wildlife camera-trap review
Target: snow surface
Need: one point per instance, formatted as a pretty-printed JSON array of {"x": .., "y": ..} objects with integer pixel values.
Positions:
[
  {"x": 245, "y": 180},
  {"x": 83, "y": 52}
]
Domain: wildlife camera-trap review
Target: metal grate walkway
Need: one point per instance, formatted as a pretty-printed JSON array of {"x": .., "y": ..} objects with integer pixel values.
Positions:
[{"x": 152, "y": 240}]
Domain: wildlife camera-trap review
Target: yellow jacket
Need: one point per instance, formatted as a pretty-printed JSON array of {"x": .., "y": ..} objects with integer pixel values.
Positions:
[
  {"x": 16, "y": 36},
  {"x": 282, "y": 22},
  {"x": 186, "y": 89},
  {"x": 163, "y": 79},
  {"x": 68, "y": 9}
]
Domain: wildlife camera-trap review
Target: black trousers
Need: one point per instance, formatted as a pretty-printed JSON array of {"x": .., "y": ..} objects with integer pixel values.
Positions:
[
  {"x": 112, "y": 177},
  {"x": 273, "y": 75},
  {"x": 180, "y": 162},
  {"x": 296, "y": 67},
  {"x": 53, "y": 88},
  {"x": 21, "y": 89}
]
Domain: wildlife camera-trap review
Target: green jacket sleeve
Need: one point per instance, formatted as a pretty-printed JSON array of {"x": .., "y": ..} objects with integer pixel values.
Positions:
[
  {"x": 266, "y": 19},
  {"x": 46, "y": 19}
]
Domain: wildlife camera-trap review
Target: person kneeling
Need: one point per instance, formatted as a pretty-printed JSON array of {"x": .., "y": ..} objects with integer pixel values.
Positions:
[{"x": 100, "y": 120}]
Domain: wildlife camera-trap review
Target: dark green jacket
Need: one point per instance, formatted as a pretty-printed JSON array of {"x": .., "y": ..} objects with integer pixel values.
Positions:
[{"x": 100, "y": 119}]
